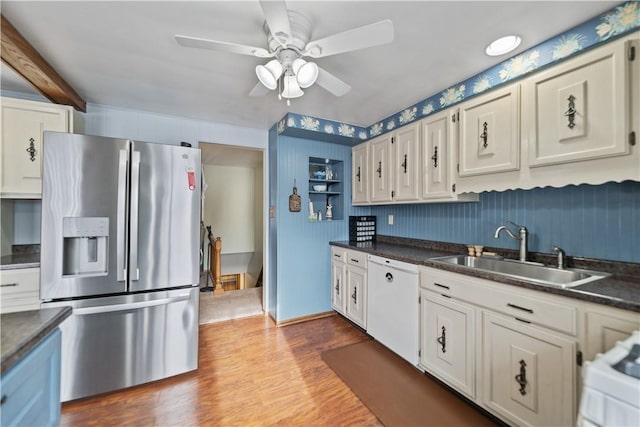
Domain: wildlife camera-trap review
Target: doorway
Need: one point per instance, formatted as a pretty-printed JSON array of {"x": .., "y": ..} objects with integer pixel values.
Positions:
[{"x": 233, "y": 208}]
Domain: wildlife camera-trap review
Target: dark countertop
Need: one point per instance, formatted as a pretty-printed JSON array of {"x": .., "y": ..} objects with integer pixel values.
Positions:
[
  {"x": 16, "y": 261},
  {"x": 24, "y": 330},
  {"x": 621, "y": 289}
]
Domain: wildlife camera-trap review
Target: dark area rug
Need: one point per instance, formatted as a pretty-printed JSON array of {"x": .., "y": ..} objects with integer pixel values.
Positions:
[{"x": 396, "y": 392}]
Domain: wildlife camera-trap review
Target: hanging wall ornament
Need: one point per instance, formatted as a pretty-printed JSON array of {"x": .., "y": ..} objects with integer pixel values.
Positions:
[{"x": 294, "y": 200}]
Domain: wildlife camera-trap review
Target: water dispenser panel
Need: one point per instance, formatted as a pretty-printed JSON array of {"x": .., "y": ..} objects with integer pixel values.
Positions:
[{"x": 86, "y": 240}]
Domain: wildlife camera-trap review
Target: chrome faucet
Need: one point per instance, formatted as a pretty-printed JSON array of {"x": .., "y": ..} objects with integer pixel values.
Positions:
[
  {"x": 522, "y": 237},
  {"x": 560, "y": 254}
]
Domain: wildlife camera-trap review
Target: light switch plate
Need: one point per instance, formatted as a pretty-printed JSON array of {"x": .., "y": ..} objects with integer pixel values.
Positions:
[{"x": 390, "y": 219}]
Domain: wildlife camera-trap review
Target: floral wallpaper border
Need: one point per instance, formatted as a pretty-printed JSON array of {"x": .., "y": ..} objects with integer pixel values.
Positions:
[{"x": 620, "y": 20}]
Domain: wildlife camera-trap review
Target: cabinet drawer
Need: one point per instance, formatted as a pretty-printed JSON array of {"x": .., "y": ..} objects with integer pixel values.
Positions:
[
  {"x": 18, "y": 281},
  {"x": 338, "y": 254},
  {"x": 357, "y": 258},
  {"x": 533, "y": 310},
  {"x": 525, "y": 305}
]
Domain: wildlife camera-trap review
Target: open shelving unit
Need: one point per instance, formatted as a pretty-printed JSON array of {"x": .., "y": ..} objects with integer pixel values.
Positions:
[{"x": 327, "y": 172}]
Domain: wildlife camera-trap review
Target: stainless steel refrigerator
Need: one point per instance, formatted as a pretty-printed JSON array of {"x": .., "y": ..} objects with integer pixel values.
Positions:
[{"x": 120, "y": 244}]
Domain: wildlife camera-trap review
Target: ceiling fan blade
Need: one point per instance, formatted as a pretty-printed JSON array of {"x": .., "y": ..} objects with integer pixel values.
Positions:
[
  {"x": 199, "y": 43},
  {"x": 332, "y": 83},
  {"x": 277, "y": 17},
  {"x": 259, "y": 90},
  {"x": 358, "y": 38}
]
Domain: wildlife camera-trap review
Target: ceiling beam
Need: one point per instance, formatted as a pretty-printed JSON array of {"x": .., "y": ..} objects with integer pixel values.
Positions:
[{"x": 18, "y": 53}]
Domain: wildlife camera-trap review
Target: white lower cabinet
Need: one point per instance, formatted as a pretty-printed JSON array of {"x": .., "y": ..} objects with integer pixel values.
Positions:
[
  {"x": 349, "y": 284},
  {"x": 605, "y": 326},
  {"x": 447, "y": 345},
  {"x": 528, "y": 374},
  {"x": 512, "y": 351},
  {"x": 357, "y": 295}
]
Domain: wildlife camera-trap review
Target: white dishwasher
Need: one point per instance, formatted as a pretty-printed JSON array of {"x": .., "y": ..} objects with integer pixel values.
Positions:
[{"x": 392, "y": 306}]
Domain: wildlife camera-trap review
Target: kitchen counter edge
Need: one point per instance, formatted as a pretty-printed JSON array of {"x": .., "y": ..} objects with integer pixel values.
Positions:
[
  {"x": 24, "y": 330},
  {"x": 614, "y": 291}
]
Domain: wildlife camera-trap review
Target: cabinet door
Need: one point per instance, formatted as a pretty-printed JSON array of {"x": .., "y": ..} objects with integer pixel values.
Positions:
[
  {"x": 489, "y": 133},
  {"x": 356, "y": 307},
  {"x": 338, "y": 286},
  {"x": 359, "y": 176},
  {"x": 380, "y": 169},
  {"x": 436, "y": 141},
  {"x": 31, "y": 389},
  {"x": 579, "y": 110},
  {"x": 605, "y": 327},
  {"x": 446, "y": 341},
  {"x": 528, "y": 374},
  {"x": 407, "y": 162},
  {"x": 23, "y": 124}
]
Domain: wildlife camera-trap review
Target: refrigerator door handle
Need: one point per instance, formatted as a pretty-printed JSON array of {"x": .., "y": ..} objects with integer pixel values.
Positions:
[
  {"x": 121, "y": 224},
  {"x": 129, "y": 306},
  {"x": 133, "y": 220}
]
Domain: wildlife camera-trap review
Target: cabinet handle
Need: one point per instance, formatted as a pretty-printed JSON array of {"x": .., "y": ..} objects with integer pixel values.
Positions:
[
  {"x": 8, "y": 285},
  {"x": 32, "y": 150},
  {"x": 354, "y": 260},
  {"x": 442, "y": 340},
  {"x": 338, "y": 286},
  {"x": 440, "y": 286},
  {"x": 404, "y": 164},
  {"x": 571, "y": 112},
  {"x": 484, "y": 136},
  {"x": 354, "y": 296},
  {"x": 521, "y": 378},
  {"x": 358, "y": 174},
  {"x": 517, "y": 307},
  {"x": 379, "y": 170},
  {"x": 435, "y": 157}
]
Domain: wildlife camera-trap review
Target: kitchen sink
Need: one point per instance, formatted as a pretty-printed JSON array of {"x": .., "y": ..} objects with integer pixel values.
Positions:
[{"x": 566, "y": 278}]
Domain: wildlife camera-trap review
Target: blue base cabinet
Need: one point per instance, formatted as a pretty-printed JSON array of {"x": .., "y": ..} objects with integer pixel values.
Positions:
[{"x": 31, "y": 389}]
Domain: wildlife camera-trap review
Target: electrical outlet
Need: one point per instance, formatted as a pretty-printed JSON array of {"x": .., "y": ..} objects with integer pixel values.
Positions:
[{"x": 390, "y": 219}]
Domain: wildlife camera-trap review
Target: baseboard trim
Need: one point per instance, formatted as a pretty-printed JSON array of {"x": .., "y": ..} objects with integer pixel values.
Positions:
[{"x": 305, "y": 318}]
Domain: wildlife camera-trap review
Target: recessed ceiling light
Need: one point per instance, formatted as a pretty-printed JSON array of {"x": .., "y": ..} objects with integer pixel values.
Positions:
[{"x": 503, "y": 45}]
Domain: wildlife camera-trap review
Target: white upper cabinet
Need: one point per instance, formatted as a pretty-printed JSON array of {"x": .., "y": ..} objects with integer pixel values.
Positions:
[
  {"x": 489, "y": 133},
  {"x": 23, "y": 125},
  {"x": 359, "y": 174},
  {"x": 438, "y": 141},
  {"x": 406, "y": 145},
  {"x": 579, "y": 110},
  {"x": 380, "y": 169}
]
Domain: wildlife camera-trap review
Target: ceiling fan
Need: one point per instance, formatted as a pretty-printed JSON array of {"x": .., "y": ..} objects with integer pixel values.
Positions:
[{"x": 289, "y": 40}]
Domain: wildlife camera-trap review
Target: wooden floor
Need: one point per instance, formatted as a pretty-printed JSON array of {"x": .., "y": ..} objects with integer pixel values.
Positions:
[{"x": 251, "y": 373}]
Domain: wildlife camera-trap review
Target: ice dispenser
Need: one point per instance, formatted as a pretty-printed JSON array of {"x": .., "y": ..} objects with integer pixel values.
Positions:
[{"x": 86, "y": 240}]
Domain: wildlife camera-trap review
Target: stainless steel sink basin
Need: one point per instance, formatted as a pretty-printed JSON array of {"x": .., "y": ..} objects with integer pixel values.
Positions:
[{"x": 566, "y": 278}]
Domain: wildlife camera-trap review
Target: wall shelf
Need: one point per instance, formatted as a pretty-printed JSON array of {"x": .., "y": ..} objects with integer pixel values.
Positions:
[{"x": 327, "y": 172}]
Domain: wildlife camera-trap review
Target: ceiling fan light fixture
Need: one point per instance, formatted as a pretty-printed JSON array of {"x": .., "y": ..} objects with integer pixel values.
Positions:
[
  {"x": 291, "y": 88},
  {"x": 269, "y": 74},
  {"x": 503, "y": 45},
  {"x": 306, "y": 72}
]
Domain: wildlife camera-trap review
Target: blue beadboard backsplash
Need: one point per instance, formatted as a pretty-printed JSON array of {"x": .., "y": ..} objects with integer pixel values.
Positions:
[{"x": 586, "y": 221}]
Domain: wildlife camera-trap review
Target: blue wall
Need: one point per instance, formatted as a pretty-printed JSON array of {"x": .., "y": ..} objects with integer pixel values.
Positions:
[
  {"x": 303, "y": 262},
  {"x": 586, "y": 221}
]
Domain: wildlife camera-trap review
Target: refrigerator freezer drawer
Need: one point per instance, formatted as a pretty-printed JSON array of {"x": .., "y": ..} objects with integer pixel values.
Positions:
[{"x": 121, "y": 341}]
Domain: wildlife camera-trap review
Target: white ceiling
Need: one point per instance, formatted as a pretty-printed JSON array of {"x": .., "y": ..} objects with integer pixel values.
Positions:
[{"x": 124, "y": 54}]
